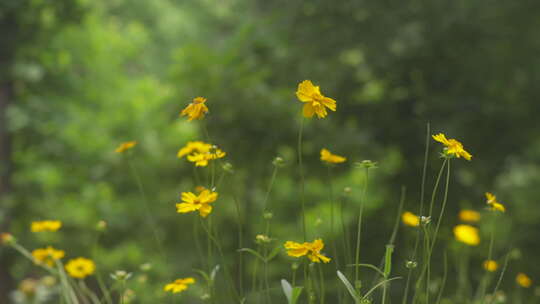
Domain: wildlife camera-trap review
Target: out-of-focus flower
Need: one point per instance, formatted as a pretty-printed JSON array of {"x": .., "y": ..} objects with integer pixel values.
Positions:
[
  {"x": 314, "y": 101},
  {"x": 125, "y": 146},
  {"x": 7, "y": 238},
  {"x": 523, "y": 280},
  {"x": 179, "y": 285},
  {"x": 201, "y": 159},
  {"x": 40, "y": 226},
  {"x": 452, "y": 147},
  {"x": 47, "y": 255},
  {"x": 201, "y": 202},
  {"x": 121, "y": 275},
  {"x": 327, "y": 156},
  {"x": 196, "y": 109},
  {"x": 192, "y": 147},
  {"x": 470, "y": 216},
  {"x": 312, "y": 250},
  {"x": 467, "y": 234},
  {"x": 492, "y": 202},
  {"x": 80, "y": 268},
  {"x": 262, "y": 239},
  {"x": 410, "y": 219},
  {"x": 490, "y": 265}
]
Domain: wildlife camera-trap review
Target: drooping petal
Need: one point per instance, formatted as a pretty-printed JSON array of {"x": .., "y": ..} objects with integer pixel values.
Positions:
[
  {"x": 205, "y": 210},
  {"x": 306, "y": 90},
  {"x": 308, "y": 110},
  {"x": 186, "y": 207}
]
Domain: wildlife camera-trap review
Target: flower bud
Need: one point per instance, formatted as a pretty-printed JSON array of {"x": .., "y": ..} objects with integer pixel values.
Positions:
[
  {"x": 278, "y": 162},
  {"x": 268, "y": 215},
  {"x": 7, "y": 239},
  {"x": 228, "y": 167},
  {"x": 411, "y": 264}
]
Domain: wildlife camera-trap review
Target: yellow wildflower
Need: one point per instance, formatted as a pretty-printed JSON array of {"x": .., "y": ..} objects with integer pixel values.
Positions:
[
  {"x": 410, "y": 219},
  {"x": 312, "y": 250},
  {"x": 328, "y": 157},
  {"x": 179, "y": 285},
  {"x": 467, "y": 234},
  {"x": 194, "y": 146},
  {"x": 47, "y": 255},
  {"x": 80, "y": 268},
  {"x": 523, "y": 280},
  {"x": 196, "y": 109},
  {"x": 315, "y": 102},
  {"x": 491, "y": 200},
  {"x": 490, "y": 265},
  {"x": 45, "y": 226},
  {"x": 125, "y": 146},
  {"x": 201, "y": 159},
  {"x": 470, "y": 216},
  {"x": 201, "y": 202},
  {"x": 452, "y": 146}
]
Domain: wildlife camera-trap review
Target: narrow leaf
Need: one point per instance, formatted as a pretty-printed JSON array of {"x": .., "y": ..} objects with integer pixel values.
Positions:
[{"x": 350, "y": 288}]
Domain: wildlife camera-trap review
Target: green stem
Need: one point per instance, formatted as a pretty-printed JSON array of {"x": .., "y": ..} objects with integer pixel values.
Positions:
[
  {"x": 332, "y": 203},
  {"x": 420, "y": 212},
  {"x": 359, "y": 233},
  {"x": 148, "y": 213},
  {"x": 302, "y": 181}
]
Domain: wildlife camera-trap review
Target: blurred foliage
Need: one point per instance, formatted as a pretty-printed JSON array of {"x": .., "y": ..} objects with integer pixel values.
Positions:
[{"x": 122, "y": 70}]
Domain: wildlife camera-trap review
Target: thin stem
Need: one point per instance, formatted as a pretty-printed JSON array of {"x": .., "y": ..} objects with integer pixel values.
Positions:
[
  {"x": 359, "y": 233},
  {"x": 302, "y": 181},
  {"x": 420, "y": 212},
  {"x": 332, "y": 204},
  {"x": 147, "y": 211},
  {"x": 321, "y": 282}
]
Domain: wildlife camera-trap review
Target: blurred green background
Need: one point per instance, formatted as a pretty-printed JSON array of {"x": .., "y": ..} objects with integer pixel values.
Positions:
[{"x": 78, "y": 77}]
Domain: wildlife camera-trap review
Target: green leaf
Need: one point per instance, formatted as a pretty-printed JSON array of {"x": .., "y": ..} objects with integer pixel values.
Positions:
[
  {"x": 253, "y": 252},
  {"x": 350, "y": 288},
  {"x": 292, "y": 293},
  {"x": 214, "y": 272},
  {"x": 273, "y": 253}
]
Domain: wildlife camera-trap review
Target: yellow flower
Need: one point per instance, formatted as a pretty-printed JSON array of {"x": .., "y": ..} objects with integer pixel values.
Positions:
[
  {"x": 328, "y": 157},
  {"x": 196, "y": 109},
  {"x": 315, "y": 102},
  {"x": 490, "y": 265},
  {"x": 125, "y": 146},
  {"x": 201, "y": 159},
  {"x": 452, "y": 146},
  {"x": 80, "y": 268},
  {"x": 491, "y": 200},
  {"x": 47, "y": 255},
  {"x": 201, "y": 202},
  {"x": 410, "y": 219},
  {"x": 312, "y": 250},
  {"x": 179, "y": 285},
  {"x": 194, "y": 146},
  {"x": 45, "y": 226},
  {"x": 467, "y": 234},
  {"x": 523, "y": 280},
  {"x": 470, "y": 216}
]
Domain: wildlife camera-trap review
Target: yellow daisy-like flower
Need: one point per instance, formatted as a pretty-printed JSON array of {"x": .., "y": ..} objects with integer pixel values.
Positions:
[
  {"x": 47, "y": 255},
  {"x": 314, "y": 101},
  {"x": 490, "y": 265},
  {"x": 202, "y": 159},
  {"x": 40, "y": 226},
  {"x": 201, "y": 202},
  {"x": 179, "y": 285},
  {"x": 470, "y": 216},
  {"x": 194, "y": 147},
  {"x": 491, "y": 200},
  {"x": 196, "y": 109},
  {"x": 327, "y": 156},
  {"x": 452, "y": 146},
  {"x": 523, "y": 280},
  {"x": 410, "y": 219},
  {"x": 125, "y": 146},
  {"x": 80, "y": 268},
  {"x": 312, "y": 250},
  {"x": 467, "y": 234}
]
